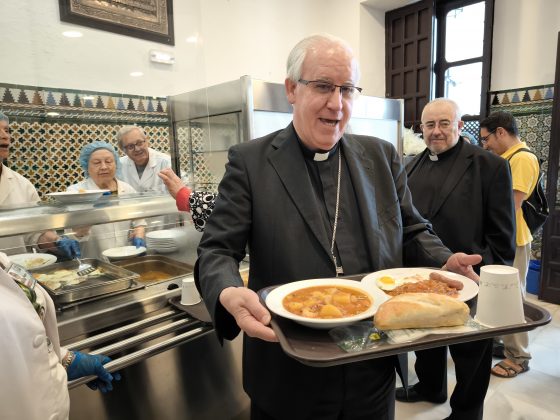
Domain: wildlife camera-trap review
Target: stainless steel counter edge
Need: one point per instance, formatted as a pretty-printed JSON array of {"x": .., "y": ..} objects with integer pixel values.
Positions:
[
  {"x": 43, "y": 217},
  {"x": 114, "y": 310},
  {"x": 146, "y": 353}
]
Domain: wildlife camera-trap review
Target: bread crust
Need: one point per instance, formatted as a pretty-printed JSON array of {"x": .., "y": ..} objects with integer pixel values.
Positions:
[{"x": 421, "y": 310}]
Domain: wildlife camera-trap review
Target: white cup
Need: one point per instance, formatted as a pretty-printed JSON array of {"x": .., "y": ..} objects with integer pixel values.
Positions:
[
  {"x": 500, "y": 300},
  {"x": 189, "y": 294}
]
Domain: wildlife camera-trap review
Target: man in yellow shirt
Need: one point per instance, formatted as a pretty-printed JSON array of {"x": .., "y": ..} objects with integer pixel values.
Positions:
[{"x": 500, "y": 135}]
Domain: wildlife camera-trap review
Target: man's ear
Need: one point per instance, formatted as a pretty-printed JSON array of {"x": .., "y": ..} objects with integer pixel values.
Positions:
[{"x": 290, "y": 90}]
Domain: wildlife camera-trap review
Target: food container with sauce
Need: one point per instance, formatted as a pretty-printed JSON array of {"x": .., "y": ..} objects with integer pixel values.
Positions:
[{"x": 154, "y": 269}]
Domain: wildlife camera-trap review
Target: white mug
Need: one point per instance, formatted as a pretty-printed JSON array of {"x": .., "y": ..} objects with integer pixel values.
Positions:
[
  {"x": 500, "y": 300},
  {"x": 189, "y": 294}
]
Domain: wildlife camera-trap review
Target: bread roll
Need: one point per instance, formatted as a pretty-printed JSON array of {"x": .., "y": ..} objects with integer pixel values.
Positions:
[{"x": 421, "y": 310}]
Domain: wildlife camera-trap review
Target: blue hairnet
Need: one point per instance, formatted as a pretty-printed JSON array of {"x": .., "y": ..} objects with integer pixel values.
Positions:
[
  {"x": 88, "y": 149},
  {"x": 4, "y": 117}
]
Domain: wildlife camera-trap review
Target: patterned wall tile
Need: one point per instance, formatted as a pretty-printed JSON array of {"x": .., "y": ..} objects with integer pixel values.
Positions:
[{"x": 46, "y": 147}]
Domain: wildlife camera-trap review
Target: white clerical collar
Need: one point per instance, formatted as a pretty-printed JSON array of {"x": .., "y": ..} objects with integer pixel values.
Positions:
[
  {"x": 320, "y": 157},
  {"x": 433, "y": 157}
]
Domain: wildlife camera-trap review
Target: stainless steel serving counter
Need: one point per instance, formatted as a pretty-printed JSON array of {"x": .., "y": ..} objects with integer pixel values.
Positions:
[
  {"x": 43, "y": 216},
  {"x": 172, "y": 364}
]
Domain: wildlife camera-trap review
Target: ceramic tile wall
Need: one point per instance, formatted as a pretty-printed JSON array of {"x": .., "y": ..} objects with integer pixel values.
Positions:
[{"x": 46, "y": 148}]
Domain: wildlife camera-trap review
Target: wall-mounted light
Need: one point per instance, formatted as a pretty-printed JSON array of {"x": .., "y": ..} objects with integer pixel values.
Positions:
[
  {"x": 72, "y": 34},
  {"x": 163, "y": 57},
  {"x": 136, "y": 74}
]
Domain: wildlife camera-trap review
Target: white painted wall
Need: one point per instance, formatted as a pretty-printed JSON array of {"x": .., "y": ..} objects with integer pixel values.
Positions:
[
  {"x": 525, "y": 42},
  {"x": 236, "y": 37},
  {"x": 239, "y": 37}
]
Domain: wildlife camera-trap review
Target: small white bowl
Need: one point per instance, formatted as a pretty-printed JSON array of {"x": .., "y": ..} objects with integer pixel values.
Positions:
[{"x": 123, "y": 252}]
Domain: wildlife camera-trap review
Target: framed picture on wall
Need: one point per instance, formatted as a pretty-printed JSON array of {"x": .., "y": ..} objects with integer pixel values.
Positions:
[{"x": 146, "y": 19}]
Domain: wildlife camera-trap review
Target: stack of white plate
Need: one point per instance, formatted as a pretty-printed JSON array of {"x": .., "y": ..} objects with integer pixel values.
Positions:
[{"x": 165, "y": 241}]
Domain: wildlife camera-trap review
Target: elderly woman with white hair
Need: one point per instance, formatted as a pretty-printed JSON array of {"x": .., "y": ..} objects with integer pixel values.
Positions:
[{"x": 100, "y": 163}]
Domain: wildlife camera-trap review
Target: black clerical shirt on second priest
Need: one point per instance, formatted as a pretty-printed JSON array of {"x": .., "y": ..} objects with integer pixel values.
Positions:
[
  {"x": 351, "y": 248},
  {"x": 429, "y": 177}
]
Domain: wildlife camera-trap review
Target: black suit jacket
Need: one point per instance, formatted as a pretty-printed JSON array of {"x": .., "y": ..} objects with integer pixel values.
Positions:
[
  {"x": 474, "y": 212},
  {"x": 265, "y": 201}
]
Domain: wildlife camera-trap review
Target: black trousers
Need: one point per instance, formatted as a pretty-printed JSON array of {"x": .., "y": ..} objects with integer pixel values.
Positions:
[
  {"x": 357, "y": 391},
  {"x": 473, "y": 361}
]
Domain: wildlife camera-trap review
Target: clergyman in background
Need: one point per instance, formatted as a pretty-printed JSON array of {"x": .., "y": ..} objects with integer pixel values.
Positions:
[{"x": 465, "y": 192}]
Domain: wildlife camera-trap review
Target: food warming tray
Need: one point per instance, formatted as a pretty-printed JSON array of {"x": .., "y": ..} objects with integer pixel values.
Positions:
[
  {"x": 315, "y": 347},
  {"x": 149, "y": 265},
  {"x": 113, "y": 279}
]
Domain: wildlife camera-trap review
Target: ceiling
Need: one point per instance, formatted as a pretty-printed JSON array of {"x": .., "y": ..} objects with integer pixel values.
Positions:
[{"x": 385, "y": 5}]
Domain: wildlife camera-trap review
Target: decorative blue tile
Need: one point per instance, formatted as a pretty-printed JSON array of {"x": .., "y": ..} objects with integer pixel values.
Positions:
[{"x": 50, "y": 99}]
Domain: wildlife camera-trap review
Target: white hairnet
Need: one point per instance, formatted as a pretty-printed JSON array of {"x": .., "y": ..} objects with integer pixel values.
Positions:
[{"x": 88, "y": 149}]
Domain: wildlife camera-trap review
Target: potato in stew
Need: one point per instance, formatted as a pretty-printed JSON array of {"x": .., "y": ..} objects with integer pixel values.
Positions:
[{"x": 326, "y": 302}]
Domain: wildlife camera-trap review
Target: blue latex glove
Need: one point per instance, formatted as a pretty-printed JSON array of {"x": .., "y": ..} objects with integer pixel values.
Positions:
[
  {"x": 92, "y": 364},
  {"x": 138, "y": 242},
  {"x": 70, "y": 248}
]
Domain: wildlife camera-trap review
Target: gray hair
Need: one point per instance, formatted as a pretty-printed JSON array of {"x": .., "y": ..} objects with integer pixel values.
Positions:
[
  {"x": 455, "y": 105},
  {"x": 297, "y": 56},
  {"x": 127, "y": 129},
  {"x": 4, "y": 117}
]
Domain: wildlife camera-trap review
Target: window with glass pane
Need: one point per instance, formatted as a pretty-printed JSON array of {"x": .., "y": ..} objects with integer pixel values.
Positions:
[
  {"x": 463, "y": 84},
  {"x": 464, "y": 32}
]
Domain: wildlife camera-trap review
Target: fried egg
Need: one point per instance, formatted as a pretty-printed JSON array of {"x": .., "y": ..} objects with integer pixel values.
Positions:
[{"x": 387, "y": 283}]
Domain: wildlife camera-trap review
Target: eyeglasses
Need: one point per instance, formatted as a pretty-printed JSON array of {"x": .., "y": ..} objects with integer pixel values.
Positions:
[
  {"x": 133, "y": 146},
  {"x": 326, "y": 88},
  {"x": 484, "y": 139},
  {"x": 443, "y": 125}
]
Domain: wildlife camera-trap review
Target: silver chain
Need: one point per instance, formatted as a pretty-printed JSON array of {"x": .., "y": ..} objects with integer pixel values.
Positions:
[{"x": 337, "y": 269}]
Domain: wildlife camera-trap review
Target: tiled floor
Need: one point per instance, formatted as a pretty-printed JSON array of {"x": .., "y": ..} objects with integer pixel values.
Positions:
[{"x": 534, "y": 395}]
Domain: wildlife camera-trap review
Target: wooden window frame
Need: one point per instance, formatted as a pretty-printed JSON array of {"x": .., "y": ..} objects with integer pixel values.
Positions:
[{"x": 441, "y": 65}]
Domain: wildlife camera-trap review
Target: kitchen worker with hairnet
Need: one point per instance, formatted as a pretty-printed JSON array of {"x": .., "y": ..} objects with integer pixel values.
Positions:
[
  {"x": 101, "y": 166},
  {"x": 17, "y": 191},
  {"x": 35, "y": 368}
]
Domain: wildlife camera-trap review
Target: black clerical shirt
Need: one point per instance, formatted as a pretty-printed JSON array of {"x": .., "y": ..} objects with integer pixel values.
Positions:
[
  {"x": 351, "y": 249},
  {"x": 429, "y": 177}
]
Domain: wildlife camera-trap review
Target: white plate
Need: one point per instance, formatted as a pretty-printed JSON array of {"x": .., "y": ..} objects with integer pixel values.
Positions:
[
  {"x": 87, "y": 196},
  {"x": 166, "y": 234},
  {"x": 32, "y": 261},
  {"x": 276, "y": 296},
  {"x": 470, "y": 288},
  {"x": 122, "y": 252}
]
